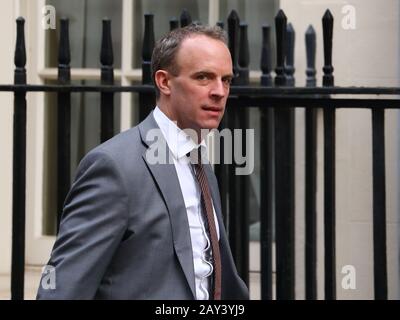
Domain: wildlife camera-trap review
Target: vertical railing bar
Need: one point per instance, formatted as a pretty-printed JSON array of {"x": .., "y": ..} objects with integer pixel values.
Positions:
[
  {"x": 19, "y": 169},
  {"x": 107, "y": 78},
  {"x": 63, "y": 119},
  {"x": 379, "y": 204},
  {"x": 284, "y": 177},
  {"x": 329, "y": 166},
  {"x": 243, "y": 185},
  {"x": 310, "y": 175},
  {"x": 146, "y": 101},
  {"x": 219, "y": 167},
  {"x": 229, "y": 123},
  {"x": 238, "y": 234},
  {"x": 266, "y": 171}
]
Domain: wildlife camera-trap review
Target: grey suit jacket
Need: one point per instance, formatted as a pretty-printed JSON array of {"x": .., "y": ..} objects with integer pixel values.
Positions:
[{"x": 124, "y": 232}]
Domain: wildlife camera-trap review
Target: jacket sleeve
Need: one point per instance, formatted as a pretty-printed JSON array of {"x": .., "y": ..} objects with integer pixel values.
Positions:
[{"x": 93, "y": 222}]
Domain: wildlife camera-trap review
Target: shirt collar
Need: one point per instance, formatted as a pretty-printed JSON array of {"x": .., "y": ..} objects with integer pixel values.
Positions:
[{"x": 179, "y": 142}]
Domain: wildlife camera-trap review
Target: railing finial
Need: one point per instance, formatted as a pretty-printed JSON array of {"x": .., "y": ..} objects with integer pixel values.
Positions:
[
  {"x": 311, "y": 45},
  {"x": 244, "y": 55},
  {"x": 173, "y": 24},
  {"x": 233, "y": 37},
  {"x": 280, "y": 25},
  {"x": 327, "y": 25},
  {"x": 64, "y": 53},
  {"x": 186, "y": 19},
  {"x": 148, "y": 46},
  {"x": 266, "y": 53},
  {"x": 20, "y": 53},
  {"x": 290, "y": 48},
  {"x": 106, "y": 54}
]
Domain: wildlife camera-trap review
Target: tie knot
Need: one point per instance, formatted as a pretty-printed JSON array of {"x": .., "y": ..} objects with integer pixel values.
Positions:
[{"x": 195, "y": 156}]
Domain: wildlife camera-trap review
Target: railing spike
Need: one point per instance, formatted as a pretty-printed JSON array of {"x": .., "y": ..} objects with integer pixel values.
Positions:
[
  {"x": 280, "y": 26},
  {"x": 106, "y": 55},
  {"x": 20, "y": 51},
  {"x": 186, "y": 19},
  {"x": 64, "y": 54},
  {"x": 244, "y": 56},
  {"x": 148, "y": 46},
  {"x": 327, "y": 25},
  {"x": 233, "y": 37},
  {"x": 173, "y": 24},
  {"x": 266, "y": 53},
  {"x": 311, "y": 45},
  {"x": 290, "y": 47}
]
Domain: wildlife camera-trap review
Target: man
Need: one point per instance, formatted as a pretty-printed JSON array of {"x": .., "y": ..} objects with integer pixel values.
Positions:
[{"x": 135, "y": 229}]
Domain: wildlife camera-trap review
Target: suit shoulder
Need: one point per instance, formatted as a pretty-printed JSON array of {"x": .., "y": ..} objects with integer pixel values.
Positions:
[
  {"x": 124, "y": 142},
  {"x": 122, "y": 149}
]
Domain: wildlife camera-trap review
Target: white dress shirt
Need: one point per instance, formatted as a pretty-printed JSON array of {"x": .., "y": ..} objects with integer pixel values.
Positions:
[{"x": 180, "y": 144}]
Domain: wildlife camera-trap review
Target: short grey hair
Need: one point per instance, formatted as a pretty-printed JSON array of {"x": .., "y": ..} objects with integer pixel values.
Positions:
[{"x": 166, "y": 48}]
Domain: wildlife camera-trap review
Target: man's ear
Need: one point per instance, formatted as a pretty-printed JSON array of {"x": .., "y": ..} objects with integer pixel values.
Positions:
[{"x": 161, "y": 78}]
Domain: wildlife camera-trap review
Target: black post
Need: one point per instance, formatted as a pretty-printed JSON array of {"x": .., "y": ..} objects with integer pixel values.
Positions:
[
  {"x": 238, "y": 232},
  {"x": 329, "y": 166},
  {"x": 186, "y": 19},
  {"x": 63, "y": 119},
  {"x": 19, "y": 168},
  {"x": 107, "y": 78},
  {"x": 242, "y": 185},
  {"x": 220, "y": 168},
  {"x": 311, "y": 175},
  {"x": 284, "y": 178},
  {"x": 146, "y": 101},
  {"x": 266, "y": 171},
  {"x": 379, "y": 203}
]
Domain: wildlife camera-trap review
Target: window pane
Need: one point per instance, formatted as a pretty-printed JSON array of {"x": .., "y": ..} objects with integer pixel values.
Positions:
[
  {"x": 85, "y": 28},
  {"x": 163, "y": 11},
  {"x": 255, "y": 13}
]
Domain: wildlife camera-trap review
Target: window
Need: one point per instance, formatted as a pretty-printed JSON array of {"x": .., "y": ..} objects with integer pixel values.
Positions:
[{"x": 85, "y": 27}]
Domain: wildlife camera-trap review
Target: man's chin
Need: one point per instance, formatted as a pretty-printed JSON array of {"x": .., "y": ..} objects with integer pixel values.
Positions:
[{"x": 210, "y": 125}]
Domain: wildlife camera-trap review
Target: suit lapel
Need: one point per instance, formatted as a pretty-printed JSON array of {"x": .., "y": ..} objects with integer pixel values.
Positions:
[{"x": 167, "y": 180}]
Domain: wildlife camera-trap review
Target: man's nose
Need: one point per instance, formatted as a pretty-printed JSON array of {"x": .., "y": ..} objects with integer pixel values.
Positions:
[{"x": 219, "y": 89}]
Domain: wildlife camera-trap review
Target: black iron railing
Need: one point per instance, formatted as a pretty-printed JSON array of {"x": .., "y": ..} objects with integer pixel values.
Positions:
[{"x": 276, "y": 105}]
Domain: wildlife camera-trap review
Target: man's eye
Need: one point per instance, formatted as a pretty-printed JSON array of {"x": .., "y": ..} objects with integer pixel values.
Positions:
[
  {"x": 227, "y": 81},
  {"x": 202, "y": 77}
]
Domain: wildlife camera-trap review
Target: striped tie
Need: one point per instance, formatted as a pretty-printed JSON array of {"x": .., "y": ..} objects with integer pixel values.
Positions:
[{"x": 208, "y": 211}]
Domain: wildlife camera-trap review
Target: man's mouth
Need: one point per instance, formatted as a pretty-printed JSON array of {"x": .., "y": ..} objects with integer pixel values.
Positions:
[{"x": 213, "y": 109}]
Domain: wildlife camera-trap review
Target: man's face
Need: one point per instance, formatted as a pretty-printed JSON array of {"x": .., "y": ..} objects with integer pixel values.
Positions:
[{"x": 199, "y": 92}]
